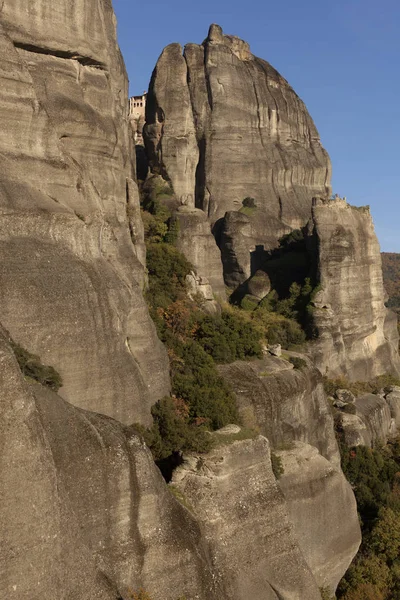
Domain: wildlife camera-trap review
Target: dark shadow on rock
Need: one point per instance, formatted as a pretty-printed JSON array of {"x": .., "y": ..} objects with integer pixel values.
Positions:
[
  {"x": 168, "y": 465},
  {"x": 142, "y": 164},
  {"x": 217, "y": 230}
]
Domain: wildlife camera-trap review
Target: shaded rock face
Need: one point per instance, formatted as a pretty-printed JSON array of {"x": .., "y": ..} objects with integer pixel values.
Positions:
[
  {"x": 84, "y": 512},
  {"x": 374, "y": 421},
  {"x": 357, "y": 333},
  {"x": 224, "y": 125},
  {"x": 323, "y": 511},
  {"x": 197, "y": 243},
  {"x": 290, "y": 406},
  {"x": 71, "y": 238},
  {"x": 286, "y": 404},
  {"x": 233, "y": 492}
]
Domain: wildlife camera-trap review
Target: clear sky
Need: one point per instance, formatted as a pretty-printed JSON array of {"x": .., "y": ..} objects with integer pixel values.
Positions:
[{"x": 342, "y": 58}]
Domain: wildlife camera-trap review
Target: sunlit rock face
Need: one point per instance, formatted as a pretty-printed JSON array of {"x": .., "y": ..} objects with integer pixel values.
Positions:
[
  {"x": 357, "y": 334},
  {"x": 323, "y": 511},
  {"x": 286, "y": 404},
  {"x": 84, "y": 511},
  {"x": 290, "y": 407},
  {"x": 223, "y": 125},
  {"x": 71, "y": 239},
  {"x": 243, "y": 514}
]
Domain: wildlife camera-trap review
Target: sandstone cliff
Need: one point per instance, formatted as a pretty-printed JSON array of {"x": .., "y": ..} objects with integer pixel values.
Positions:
[
  {"x": 84, "y": 512},
  {"x": 286, "y": 404},
  {"x": 289, "y": 406},
  {"x": 322, "y": 509},
  {"x": 357, "y": 334},
  {"x": 224, "y": 125},
  {"x": 71, "y": 241},
  {"x": 233, "y": 492}
]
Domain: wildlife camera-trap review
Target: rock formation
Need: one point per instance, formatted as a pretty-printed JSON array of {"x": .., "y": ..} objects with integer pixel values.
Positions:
[
  {"x": 323, "y": 511},
  {"x": 373, "y": 420},
  {"x": 290, "y": 407},
  {"x": 198, "y": 245},
  {"x": 286, "y": 404},
  {"x": 357, "y": 334},
  {"x": 224, "y": 126},
  {"x": 84, "y": 512},
  {"x": 71, "y": 239},
  {"x": 233, "y": 491}
]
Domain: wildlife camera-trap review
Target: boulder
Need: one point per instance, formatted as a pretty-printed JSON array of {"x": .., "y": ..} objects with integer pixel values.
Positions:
[
  {"x": 345, "y": 396},
  {"x": 259, "y": 285},
  {"x": 372, "y": 424},
  {"x": 275, "y": 350}
]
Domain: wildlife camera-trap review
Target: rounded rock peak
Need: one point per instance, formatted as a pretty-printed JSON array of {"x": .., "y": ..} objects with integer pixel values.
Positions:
[
  {"x": 238, "y": 47},
  {"x": 215, "y": 33}
]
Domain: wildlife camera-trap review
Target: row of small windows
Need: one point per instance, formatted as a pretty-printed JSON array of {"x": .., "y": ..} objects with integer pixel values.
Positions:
[{"x": 135, "y": 104}]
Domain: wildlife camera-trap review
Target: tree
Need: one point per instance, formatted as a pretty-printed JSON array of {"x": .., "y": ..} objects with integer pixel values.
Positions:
[{"x": 385, "y": 536}]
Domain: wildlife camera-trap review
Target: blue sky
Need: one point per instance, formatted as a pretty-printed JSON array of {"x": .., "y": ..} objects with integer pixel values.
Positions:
[{"x": 342, "y": 57}]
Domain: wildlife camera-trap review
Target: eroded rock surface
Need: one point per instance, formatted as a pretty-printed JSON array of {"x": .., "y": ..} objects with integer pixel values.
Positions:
[
  {"x": 197, "y": 243},
  {"x": 233, "y": 492},
  {"x": 323, "y": 511},
  {"x": 84, "y": 512},
  {"x": 225, "y": 126},
  {"x": 357, "y": 334},
  {"x": 373, "y": 421},
  {"x": 71, "y": 239},
  {"x": 286, "y": 404}
]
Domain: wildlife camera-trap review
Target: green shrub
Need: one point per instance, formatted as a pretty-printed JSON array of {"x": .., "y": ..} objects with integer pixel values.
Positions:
[
  {"x": 167, "y": 269},
  {"x": 225, "y": 439},
  {"x": 277, "y": 466},
  {"x": 229, "y": 337},
  {"x": 197, "y": 381},
  {"x": 249, "y": 303},
  {"x": 172, "y": 430},
  {"x": 297, "y": 362},
  {"x": 375, "y": 478},
  {"x": 249, "y": 202},
  {"x": 326, "y": 594},
  {"x": 172, "y": 234},
  {"x": 248, "y": 206},
  {"x": 294, "y": 238},
  {"x": 31, "y": 366},
  {"x": 285, "y": 332},
  {"x": 358, "y": 388},
  {"x": 155, "y": 227}
]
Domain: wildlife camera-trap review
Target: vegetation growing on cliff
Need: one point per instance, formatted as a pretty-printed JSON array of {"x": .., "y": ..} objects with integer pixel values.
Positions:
[
  {"x": 374, "y": 475},
  {"x": 32, "y": 368},
  {"x": 373, "y": 386},
  {"x": 286, "y": 312},
  {"x": 201, "y": 400}
]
